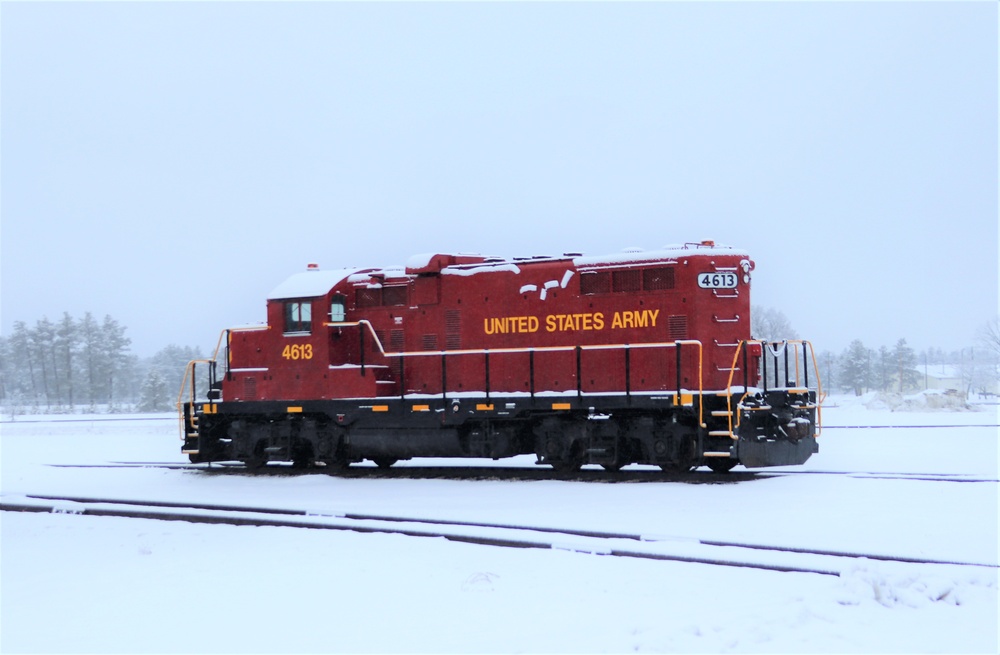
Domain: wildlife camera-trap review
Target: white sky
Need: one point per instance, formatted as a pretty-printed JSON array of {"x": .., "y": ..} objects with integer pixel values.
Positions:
[{"x": 170, "y": 163}]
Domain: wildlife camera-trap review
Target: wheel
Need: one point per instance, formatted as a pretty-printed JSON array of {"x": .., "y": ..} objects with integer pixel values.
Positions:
[
  {"x": 722, "y": 465},
  {"x": 623, "y": 457},
  {"x": 257, "y": 457},
  {"x": 335, "y": 466},
  {"x": 337, "y": 463},
  {"x": 572, "y": 462},
  {"x": 384, "y": 462},
  {"x": 255, "y": 462},
  {"x": 571, "y": 465},
  {"x": 302, "y": 457},
  {"x": 676, "y": 468},
  {"x": 302, "y": 462}
]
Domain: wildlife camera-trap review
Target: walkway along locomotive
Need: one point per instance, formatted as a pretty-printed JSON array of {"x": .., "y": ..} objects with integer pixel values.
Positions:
[{"x": 638, "y": 357}]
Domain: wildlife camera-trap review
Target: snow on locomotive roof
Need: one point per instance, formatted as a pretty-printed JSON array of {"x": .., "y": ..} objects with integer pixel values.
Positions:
[
  {"x": 314, "y": 282},
  {"x": 422, "y": 260},
  {"x": 424, "y": 263},
  {"x": 310, "y": 284},
  {"x": 633, "y": 255},
  {"x": 472, "y": 269}
]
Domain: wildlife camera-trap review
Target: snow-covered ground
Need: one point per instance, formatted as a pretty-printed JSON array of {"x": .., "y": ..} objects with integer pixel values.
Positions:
[{"x": 76, "y": 583}]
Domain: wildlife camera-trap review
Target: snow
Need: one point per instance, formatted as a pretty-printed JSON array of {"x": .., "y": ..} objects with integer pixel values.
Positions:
[
  {"x": 466, "y": 270},
  {"x": 422, "y": 260},
  {"x": 310, "y": 284},
  {"x": 630, "y": 256},
  {"x": 96, "y": 584}
]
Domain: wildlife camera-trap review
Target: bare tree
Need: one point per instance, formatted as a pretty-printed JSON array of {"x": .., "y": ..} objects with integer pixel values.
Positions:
[
  {"x": 989, "y": 335},
  {"x": 770, "y": 324}
]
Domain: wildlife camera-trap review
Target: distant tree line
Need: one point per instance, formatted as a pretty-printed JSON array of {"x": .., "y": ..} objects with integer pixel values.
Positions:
[
  {"x": 860, "y": 369},
  {"x": 85, "y": 365},
  {"x": 900, "y": 369}
]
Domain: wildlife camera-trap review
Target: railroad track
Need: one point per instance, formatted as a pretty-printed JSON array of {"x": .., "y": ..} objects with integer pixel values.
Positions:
[
  {"x": 614, "y": 544},
  {"x": 522, "y": 473}
]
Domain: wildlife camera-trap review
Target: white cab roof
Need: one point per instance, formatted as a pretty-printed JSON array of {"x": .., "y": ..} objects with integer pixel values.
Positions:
[{"x": 309, "y": 284}]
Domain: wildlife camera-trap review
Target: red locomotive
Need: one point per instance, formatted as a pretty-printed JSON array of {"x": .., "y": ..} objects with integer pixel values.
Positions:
[{"x": 639, "y": 357}]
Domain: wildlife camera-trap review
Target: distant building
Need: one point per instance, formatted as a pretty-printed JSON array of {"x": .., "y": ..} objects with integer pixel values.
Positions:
[{"x": 949, "y": 376}]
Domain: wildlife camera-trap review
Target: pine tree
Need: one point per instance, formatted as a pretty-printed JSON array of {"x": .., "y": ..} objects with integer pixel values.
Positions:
[
  {"x": 44, "y": 354},
  {"x": 172, "y": 362},
  {"x": 906, "y": 362},
  {"x": 66, "y": 343},
  {"x": 90, "y": 350},
  {"x": 854, "y": 367},
  {"x": 22, "y": 362},
  {"x": 884, "y": 370},
  {"x": 114, "y": 356},
  {"x": 154, "y": 396},
  {"x": 5, "y": 370}
]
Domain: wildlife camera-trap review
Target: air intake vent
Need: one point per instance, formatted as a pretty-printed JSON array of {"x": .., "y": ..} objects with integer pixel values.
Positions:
[
  {"x": 626, "y": 280},
  {"x": 453, "y": 329},
  {"x": 677, "y": 327},
  {"x": 658, "y": 279},
  {"x": 368, "y": 297},
  {"x": 592, "y": 282}
]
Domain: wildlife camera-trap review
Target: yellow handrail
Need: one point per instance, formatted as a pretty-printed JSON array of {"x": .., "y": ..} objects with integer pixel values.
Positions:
[
  {"x": 190, "y": 368},
  {"x": 484, "y": 351},
  {"x": 763, "y": 343},
  {"x": 226, "y": 334},
  {"x": 188, "y": 376}
]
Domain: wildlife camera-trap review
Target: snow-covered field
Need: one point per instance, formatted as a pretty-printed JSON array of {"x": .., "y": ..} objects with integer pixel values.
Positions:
[{"x": 72, "y": 583}]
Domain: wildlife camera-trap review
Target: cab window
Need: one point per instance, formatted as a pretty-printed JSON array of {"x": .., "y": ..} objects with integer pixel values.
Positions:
[
  {"x": 298, "y": 316},
  {"x": 337, "y": 309}
]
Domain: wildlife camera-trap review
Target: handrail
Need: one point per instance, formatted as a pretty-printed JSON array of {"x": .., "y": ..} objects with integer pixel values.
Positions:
[
  {"x": 188, "y": 376},
  {"x": 189, "y": 372},
  {"x": 224, "y": 337},
  {"x": 531, "y": 350},
  {"x": 775, "y": 352}
]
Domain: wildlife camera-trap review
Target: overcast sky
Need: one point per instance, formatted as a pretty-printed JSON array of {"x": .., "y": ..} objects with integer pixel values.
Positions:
[{"x": 170, "y": 163}]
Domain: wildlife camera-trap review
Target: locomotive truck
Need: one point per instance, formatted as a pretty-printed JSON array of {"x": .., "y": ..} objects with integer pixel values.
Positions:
[{"x": 637, "y": 357}]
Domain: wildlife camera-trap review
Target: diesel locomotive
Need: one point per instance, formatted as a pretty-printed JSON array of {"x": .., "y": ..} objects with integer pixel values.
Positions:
[{"x": 638, "y": 357}]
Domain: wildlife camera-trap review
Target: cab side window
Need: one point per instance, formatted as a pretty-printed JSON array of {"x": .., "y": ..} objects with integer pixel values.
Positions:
[
  {"x": 298, "y": 316},
  {"x": 337, "y": 309}
]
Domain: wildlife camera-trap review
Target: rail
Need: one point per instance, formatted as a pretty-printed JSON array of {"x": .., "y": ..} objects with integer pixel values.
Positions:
[
  {"x": 188, "y": 419},
  {"x": 775, "y": 350},
  {"x": 530, "y": 351}
]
